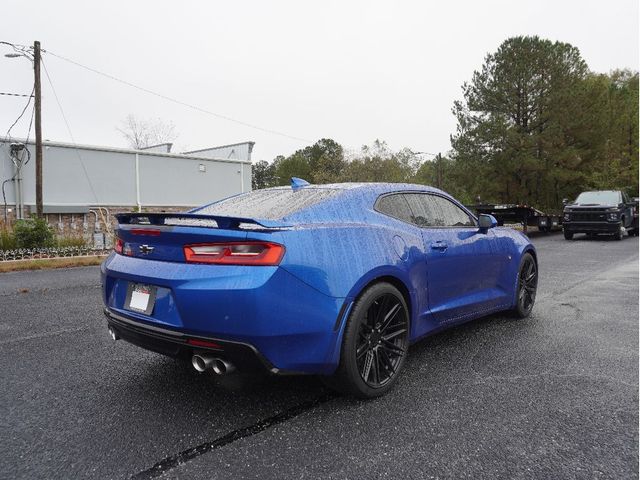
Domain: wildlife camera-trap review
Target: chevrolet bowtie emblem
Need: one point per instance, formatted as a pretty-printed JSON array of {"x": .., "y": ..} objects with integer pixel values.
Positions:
[{"x": 146, "y": 249}]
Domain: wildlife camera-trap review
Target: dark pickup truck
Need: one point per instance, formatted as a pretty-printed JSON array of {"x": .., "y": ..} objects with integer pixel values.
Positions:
[{"x": 606, "y": 211}]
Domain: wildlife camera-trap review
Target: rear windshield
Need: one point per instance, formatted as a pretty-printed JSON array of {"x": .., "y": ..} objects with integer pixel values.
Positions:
[
  {"x": 599, "y": 198},
  {"x": 269, "y": 204}
]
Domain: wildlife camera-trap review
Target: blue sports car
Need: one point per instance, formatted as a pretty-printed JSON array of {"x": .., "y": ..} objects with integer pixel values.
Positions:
[{"x": 334, "y": 280}]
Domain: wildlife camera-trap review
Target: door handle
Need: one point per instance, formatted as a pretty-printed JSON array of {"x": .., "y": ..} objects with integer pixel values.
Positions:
[{"x": 439, "y": 245}]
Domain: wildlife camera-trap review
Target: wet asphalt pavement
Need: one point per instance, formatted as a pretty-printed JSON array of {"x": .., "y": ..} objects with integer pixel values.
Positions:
[{"x": 552, "y": 396}]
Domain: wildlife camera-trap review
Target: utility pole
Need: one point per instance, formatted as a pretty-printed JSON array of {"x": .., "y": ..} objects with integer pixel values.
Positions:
[
  {"x": 439, "y": 173},
  {"x": 38, "y": 120}
]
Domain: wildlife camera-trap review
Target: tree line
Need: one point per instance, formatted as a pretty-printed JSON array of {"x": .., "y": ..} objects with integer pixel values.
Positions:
[{"x": 534, "y": 126}]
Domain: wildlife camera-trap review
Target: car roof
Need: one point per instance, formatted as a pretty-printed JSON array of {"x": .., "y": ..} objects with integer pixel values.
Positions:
[{"x": 374, "y": 187}]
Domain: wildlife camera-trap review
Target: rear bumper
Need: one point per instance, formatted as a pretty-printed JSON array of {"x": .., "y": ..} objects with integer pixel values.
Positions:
[
  {"x": 591, "y": 227},
  {"x": 175, "y": 344},
  {"x": 262, "y": 312}
]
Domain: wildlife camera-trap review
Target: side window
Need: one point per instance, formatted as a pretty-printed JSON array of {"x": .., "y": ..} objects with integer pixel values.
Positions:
[
  {"x": 453, "y": 215},
  {"x": 395, "y": 206},
  {"x": 425, "y": 212},
  {"x": 435, "y": 211}
]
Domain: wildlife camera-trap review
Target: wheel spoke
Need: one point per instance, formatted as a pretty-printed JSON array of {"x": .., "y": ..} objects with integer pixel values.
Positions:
[
  {"x": 367, "y": 365},
  {"x": 376, "y": 366},
  {"x": 391, "y": 335},
  {"x": 388, "y": 365},
  {"x": 530, "y": 268},
  {"x": 390, "y": 316},
  {"x": 362, "y": 350},
  {"x": 391, "y": 347},
  {"x": 381, "y": 311}
]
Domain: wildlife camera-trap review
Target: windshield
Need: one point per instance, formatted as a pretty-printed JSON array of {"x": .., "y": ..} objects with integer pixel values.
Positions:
[
  {"x": 599, "y": 198},
  {"x": 269, "y": 204}
]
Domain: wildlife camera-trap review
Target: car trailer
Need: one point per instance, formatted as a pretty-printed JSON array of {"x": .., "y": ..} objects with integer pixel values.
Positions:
[{"x": 525, "y": 215}]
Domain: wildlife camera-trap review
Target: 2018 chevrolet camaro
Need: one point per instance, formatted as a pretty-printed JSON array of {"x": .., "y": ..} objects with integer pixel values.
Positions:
[{"x": 334, "y": 280}]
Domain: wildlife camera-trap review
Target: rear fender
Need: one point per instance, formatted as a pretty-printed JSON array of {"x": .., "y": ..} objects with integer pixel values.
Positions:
[{"x": 339, "y": 260}]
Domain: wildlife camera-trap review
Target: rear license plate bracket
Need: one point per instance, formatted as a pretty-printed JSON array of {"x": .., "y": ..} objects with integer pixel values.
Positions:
[{"x": 140, "y": 298}]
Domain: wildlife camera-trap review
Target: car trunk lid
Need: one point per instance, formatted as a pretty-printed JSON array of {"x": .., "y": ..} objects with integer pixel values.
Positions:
[{"x": 163, "y": 236}]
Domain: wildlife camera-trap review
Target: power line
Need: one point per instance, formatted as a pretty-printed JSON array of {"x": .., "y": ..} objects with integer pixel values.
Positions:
[
  {"x": 19, "y": 116},
  {"x": 75, "y": 146},
  {"x": 6, "y": 94},
  {"x": 179, "y": 102},
  {"x": 73, "y": 140}
]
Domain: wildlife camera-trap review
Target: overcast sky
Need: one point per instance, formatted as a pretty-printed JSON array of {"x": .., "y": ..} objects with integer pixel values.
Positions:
[{"x": 353, "y": 71}]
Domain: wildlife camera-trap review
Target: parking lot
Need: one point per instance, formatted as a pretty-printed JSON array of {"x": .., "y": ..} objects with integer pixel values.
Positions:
[{"x": 552, "y": 396}]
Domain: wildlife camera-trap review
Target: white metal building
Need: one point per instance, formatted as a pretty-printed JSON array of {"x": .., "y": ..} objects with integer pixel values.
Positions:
[{"x": 77, "y": 177}]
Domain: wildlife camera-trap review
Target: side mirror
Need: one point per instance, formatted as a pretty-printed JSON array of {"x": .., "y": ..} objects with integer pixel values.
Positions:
[
  {"x": 565, "y": 201},
  {"x": 485, "y": 222}
]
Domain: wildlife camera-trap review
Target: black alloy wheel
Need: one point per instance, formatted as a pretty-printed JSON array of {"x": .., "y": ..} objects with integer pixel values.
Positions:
[
  {"x": 381, "y": 344},
  {"x": 527, "y": 286},
  {"x": 375, "y": 344}
]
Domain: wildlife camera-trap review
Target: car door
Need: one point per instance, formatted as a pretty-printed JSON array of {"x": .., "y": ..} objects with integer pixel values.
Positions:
[{"x": 463, "y": 263}]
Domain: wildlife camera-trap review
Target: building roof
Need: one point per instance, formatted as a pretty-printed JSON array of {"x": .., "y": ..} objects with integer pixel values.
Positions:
[{"x": 50, "y": 143}]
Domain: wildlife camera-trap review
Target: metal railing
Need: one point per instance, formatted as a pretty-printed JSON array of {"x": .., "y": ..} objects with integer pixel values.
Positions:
[{"x": 52, "y": 252}]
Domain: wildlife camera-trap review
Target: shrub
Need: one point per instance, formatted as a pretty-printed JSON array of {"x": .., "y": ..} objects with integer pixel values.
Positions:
[
  {"x": 33, "y": 233},
  {"x": 7, "y": 240}
]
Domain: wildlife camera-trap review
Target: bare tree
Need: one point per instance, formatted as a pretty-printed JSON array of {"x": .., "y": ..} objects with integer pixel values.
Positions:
[{"x": 143, "y": 133}]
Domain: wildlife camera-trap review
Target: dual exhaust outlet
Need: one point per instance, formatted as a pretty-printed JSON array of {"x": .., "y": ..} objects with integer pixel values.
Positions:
[
  {"x": 203, "y": 362},
  {"x": 200, "y": 361}
]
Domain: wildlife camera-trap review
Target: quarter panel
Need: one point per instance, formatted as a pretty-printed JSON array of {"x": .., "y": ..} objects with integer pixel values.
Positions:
[
  {"x": 333, "y": 258},
  {"x": 339, "y": 260},
  {"x": 515, "y": 244}
]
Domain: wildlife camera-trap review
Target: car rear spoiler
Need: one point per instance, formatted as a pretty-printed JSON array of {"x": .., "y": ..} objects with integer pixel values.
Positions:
[{"x": 198, "y": 220}]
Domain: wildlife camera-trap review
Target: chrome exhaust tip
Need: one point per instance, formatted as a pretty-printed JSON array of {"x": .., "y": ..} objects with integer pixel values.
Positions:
[
  {"x": 112, "y": 333},
  {"x": 202, "y": 362},
  {"x": 222, "y": 367}
]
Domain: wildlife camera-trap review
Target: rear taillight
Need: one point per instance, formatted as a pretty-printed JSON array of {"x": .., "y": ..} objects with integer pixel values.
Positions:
[
  {"x": 240, "y": 253},
  {"x": 122, "y": 247},
  {"x": 118, "y": 247}
]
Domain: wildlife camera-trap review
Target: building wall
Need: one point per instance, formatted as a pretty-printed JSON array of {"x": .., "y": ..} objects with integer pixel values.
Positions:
[
  {"x": 94, "y": 176},
  {"x": 237, "y": 151}
]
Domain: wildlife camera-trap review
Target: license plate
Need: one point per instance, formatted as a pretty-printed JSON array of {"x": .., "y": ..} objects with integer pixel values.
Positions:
[{"x": 140, "y": 298}]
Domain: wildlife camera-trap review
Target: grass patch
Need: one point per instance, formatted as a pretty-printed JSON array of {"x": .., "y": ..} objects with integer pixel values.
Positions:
[
  {"x": 75, "y": 241},
  {"x": 46, "y": 263}
]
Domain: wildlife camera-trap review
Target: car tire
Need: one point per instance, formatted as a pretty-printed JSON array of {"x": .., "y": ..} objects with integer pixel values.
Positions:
[
  {"x": 620, "y": 233},
  {"x": 527, "y": 286},
  {"x": 568, "y": 235},
  {"x": 374, "y": 345}
]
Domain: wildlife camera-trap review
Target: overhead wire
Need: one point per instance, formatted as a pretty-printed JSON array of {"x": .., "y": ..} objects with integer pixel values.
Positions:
[
  {"x": 8, "y": 94},
  {"x": 180, "y": 102},
  {"x": 73, "y": 141},
  {"x": 8, "y": 134}
]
